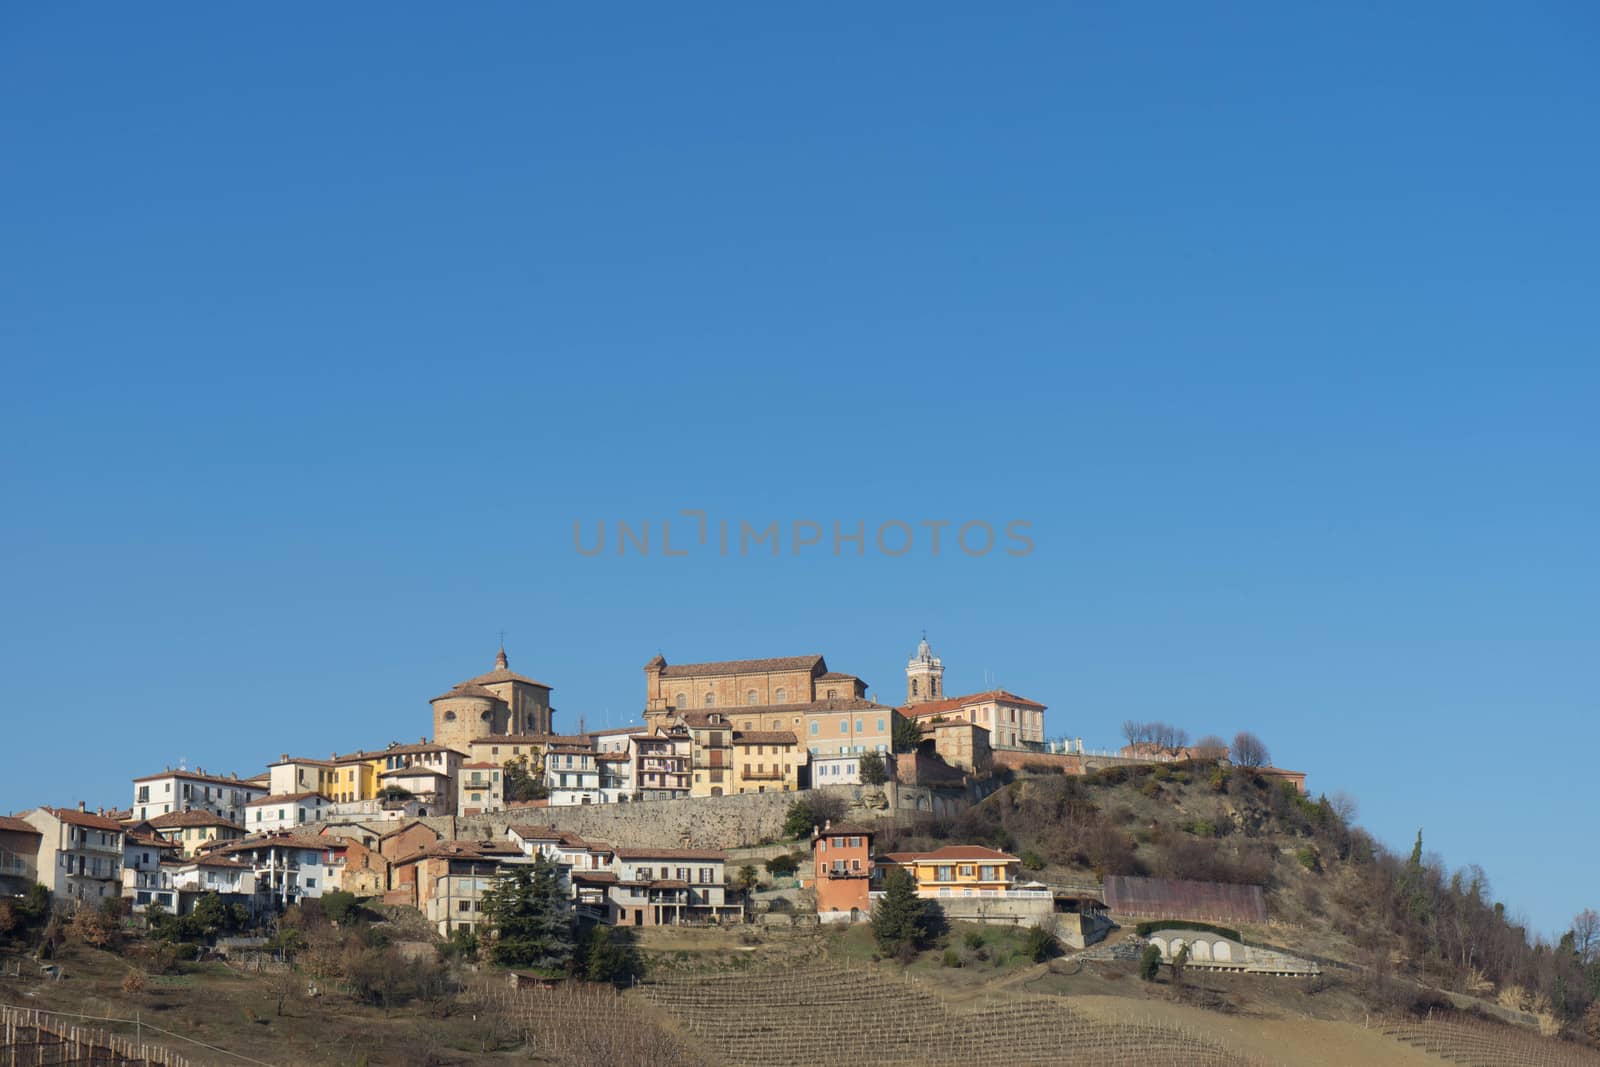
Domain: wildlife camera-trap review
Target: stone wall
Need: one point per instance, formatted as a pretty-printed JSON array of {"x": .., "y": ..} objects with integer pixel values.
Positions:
[{"x": 739, "y": 821}]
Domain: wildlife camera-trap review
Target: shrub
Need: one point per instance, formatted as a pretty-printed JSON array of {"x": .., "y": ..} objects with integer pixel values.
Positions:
[
  {"x": 1202, "y": 828},
  {"x": 340, "y": 907},
  {"x": 973, "y": 939},
  {"x": 1031, "y": 860},
  {"x": 783, "y": 866},
  {"x": 1039, "y": 944},
  {"x": 1151, "y": 788},
  {"x": 1308, "y": 859},
  {"x": 951, "y": 958},
  {"x": 1150, "y": 963},
  {"x": 133, "y": 982}
]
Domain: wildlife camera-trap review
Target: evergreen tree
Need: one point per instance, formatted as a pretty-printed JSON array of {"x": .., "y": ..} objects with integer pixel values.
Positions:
[
  {"x": 873, "y": 770},
  {"x": 906, "y": 735},
  {"x": 900, "y": 917},
  {"x": 528, "y": 913}
]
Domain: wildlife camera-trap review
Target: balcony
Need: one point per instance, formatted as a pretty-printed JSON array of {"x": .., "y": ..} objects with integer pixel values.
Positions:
[{"x": 767, "y": 776}]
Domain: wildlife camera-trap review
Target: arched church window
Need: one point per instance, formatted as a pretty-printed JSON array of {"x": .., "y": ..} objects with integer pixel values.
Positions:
[
  {"x": 681, "y": 700},
  {"x": 711, "y": 700},
  {"x": 449, "y": 716},
  {"x": 750, "y": 697},
  {"x": 913, "y": 687},
  {"x": 779, "y": 696}
]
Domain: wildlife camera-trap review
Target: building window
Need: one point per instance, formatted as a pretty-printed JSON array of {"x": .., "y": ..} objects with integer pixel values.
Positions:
[
  {"x": 681, "y": 700},
  {"x": 779, "y": 696},
  {"x": 750, "y": 697},
  {"x": 914, "y": 687},
  {"x": 816, "y": 728}
]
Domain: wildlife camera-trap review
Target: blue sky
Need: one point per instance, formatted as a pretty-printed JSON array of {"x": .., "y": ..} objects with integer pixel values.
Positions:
[{"x": 321, "y": 328}]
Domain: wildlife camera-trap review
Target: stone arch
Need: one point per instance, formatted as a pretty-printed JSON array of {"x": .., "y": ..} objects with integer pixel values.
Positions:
[
  {"x": 1223, "y": 952},
  {"x": 1177, "y": 946},
  {"x": 1161, "y": 945},
  {"x": 1201, "y": 951}
]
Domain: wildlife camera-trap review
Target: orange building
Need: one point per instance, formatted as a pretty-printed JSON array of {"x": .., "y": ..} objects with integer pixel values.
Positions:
[{"x": 843, "y": 872}]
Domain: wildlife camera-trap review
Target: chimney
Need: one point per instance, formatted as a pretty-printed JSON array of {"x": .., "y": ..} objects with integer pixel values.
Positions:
[
  {"x": 284, "y": 758},
  {"x": 82, "y": 806}
]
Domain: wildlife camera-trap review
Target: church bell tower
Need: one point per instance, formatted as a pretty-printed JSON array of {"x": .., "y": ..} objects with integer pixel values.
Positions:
[{"x": 924, "y": 675}]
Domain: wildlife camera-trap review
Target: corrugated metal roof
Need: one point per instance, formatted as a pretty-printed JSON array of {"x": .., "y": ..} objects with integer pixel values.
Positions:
[{"x": 1160, "y": 898}]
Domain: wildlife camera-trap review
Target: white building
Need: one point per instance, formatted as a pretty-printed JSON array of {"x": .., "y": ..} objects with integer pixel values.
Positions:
[
  {"x": 285, "y": 811},
  {"x": 843, "y": 769},
  {"x": 616, "y": 776},
  {"x": 302, "y": 774},
  {"x": 287, "y": 867},
  {"x": 170, "y": 791},
  {"x": 572, "y": 776},
  {"x": 80, "y": 853},
  {"x": 480, "y": 788}
]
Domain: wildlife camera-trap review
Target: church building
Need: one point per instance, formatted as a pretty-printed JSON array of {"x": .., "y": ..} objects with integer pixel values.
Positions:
[{"x": 498, "y": 703}]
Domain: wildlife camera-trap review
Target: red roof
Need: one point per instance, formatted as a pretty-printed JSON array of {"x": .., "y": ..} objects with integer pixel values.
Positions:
[
  {"x": 998, "y": 696},
  {"x": 18, "y": 826},
  {"x": 86, "y": 819},
  {"x": 741, "y": 666},
  {"x": 955, "y": 852}
]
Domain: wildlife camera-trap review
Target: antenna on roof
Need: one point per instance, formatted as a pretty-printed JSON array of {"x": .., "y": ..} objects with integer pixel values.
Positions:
[{"x": 183, "y": 763}]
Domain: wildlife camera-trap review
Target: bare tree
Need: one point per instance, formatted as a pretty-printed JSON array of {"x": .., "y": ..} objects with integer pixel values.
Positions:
[
  {"x": 1344, "y": 806},
  {"x": 1211, "y": 747},
  {"x": 1586, "y": 935},
  {"x": 1133, "y": 731},
  {"x": 1249, "y": 750}
]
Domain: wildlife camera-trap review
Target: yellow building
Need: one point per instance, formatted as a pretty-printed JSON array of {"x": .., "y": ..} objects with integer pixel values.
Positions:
[
  {"x": 957, "y": 870},
  {"x": 766, "y": 761},
  {"x": 195, "y": 831},
  {"x": 711, "y": 754},
  {"x": 355, "y": 777},
  {"x": 743, "y": 683}
]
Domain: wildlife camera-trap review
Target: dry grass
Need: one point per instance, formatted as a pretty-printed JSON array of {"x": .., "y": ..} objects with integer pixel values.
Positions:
[
  {"x": 1486, "y": 1044},
  {"x": 828, "y": 1016}
]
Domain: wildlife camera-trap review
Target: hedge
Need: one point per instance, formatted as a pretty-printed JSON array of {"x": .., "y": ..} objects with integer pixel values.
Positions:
[{"x": 1147, "y": 928}]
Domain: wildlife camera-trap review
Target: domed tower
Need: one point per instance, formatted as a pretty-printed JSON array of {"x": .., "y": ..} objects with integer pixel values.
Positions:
[
  {"x": 924, "y": 675},
  {"x": 465, "y": 714}
]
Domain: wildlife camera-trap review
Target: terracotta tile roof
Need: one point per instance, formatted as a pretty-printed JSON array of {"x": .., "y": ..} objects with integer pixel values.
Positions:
[
  {"x": 839, "y": 676},
  {"x": 216, "y": 861},
  {"x": 601, "y": 877},
  {"x": 566, "y": 838},
  {"x": 847, "y": 829},
  {"x": 929, "y": 727},
  {"x": 284, "y": 798},
  {"x": 412, "y": 771},
  {"x": 308, "y": 760},
  {"x": 409, "y": 826},
  {"x": 814, "y": 664},
  {"x": 271, "y": 840},
  {"x": 19, "y": 826},
  {"x": 481, "y": 765},
  {"x": 421, "y": 748},
  {"x": 670, "y": 854},
  {"x": 514, "y": 739},
  {"x": 999, "y": 696},
  {"x": 464, "y": 850},
  {"x": 496, "y": 677},
  {"x": 466, "y": 690},
  {"x": 195, "y": 776},
  {"x": 87, "y": 819},
  {"x": 570, "y": 750},
  {"x": 611, "y": 757},
  {"x": 764, "y": 737},
  {"x": 137, "y": 837},
  {"x": 957, "y": 852},
  {"x": 706, "y": 718},
  {"x": 175, "y": 820}
]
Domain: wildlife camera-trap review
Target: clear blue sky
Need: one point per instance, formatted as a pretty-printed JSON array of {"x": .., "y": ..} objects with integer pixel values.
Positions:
[{"x": 320, "y": 327}]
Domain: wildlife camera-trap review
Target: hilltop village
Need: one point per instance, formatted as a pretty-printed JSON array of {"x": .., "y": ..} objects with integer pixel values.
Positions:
[{"x": 432, "y": 824}]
